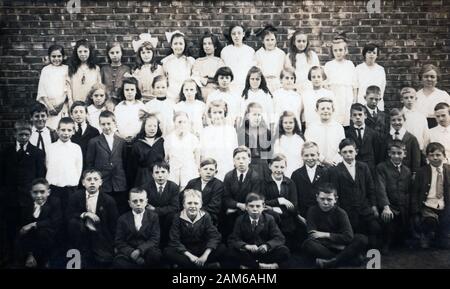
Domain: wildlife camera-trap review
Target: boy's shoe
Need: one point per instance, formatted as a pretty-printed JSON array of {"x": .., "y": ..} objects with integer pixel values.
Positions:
[
  {"x": 268, "y": 266},
  {"x": 424, "y": 242},
  {"x": 215, "y": 265},
  {"x": 325, "y": 263},
  {"x": 243, "y": 267}
]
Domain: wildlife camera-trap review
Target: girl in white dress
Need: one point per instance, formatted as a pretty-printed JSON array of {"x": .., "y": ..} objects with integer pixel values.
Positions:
[
  {"x": 160, "y": 105},
  {"x": 219, "y": 139},
  {"x": 370, "y": 73},
  {"x": 191, "y": 102},
  {"x": 52, "y": 88},
  {"x": 301, "y": 58},
  {"x": 269, "y": 58},
  {"x": 177, "y": 66},
  {"x": 286, "y": 98},
  {"x": 341, "y": 78},
  {"x": 290, "y": 142},
  {"x": 97, "y": 102}
]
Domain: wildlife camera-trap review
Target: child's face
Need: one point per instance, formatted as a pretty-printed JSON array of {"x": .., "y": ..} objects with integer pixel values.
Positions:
[
  {"x": 409, "y": 99},
  {"x": 99, "y": 97},
  {"x": 255, "y": 116},
  {"x": 255, "y": 80},
  {"x": 237, "y": 35},
  {"x": 115, "y": 54},
  {"x": 178, "y": 46},
  {"x": 65, "y": 131},
  {"x": 325, "y": 201},
  {"x": 92, "y": 182},
  {"x": 129, "y": 91},
  {"x": 358, "y": 117},
  {"x": 189, "y": 90},
  {"x": 270, "y": 42},
  {"x": 224, "y": 81},
  {"x": 316, "y": 78},
  {"x": 371, "y": 56},
  {"x": 39, "y": 119},
  {"x": 181, "y": 123},
  {"x": 22, "y": 136},
  {"x": 255, "y": 208},
  {"x": 151, "y": 127},
  {"x": 339, "y": 50},
  {"x": 397, "y": 122},
  {"x": 325, "y": 111},
  {"x": 396, "y": 155},
  {"x": 310, "y": 156},
  {"x": 429, "y": 79},
  {"x": 443, "y": 117},
  {"x": 372, "y": 100},
  {"x": 160, "y": 88},
  {"x": 40, "y": 193},
  {"x": 160, "y": 175},
  {"x": 192, "y": 205},
  {"x": 146, "y": 55},
  {"x": 436, "y": 158},
  {"x": 107, "y": 124},
  {"x": 278, "y": 168},
  {"x": 56, "y": 58},
  {"x": 79, "y": 114},
  {"x": 138, "y": 202},
  {"x": 208, "y": 46},
  {"x": 288, "y": 81},
  {"x": 241, "y": 161},
  {"x": 301, "y": 41},
  {"x": 217, "y": 115},
  {"x": 83, "y": 53},
  {"x": 348, "y": 153},
  {"x": 207, "y": 172},
  {"x": 288, "y": 124}
]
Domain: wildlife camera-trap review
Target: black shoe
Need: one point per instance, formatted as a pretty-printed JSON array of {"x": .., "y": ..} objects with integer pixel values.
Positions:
[
  {"x": 215, "y": 265},
  {"x": 326, "y": 263}
]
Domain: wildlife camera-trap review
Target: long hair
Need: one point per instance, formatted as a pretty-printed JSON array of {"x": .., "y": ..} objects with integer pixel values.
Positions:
[
  {"x": 198, "y": 94},
  {"x": 153, "y": 62},
  {"x": 75, "y": 62},
  {"x": 262, "y": 86},
  {"x": 110, "y": 46},
  {"x": 296, "y": 125},
  {"x": 217, "y": 45},
  {"x": 130, "y": 80},
  {"x": 141, "y": 134},
  {"x": 94, "y": 88},
  {"x": 293, "y": 50}
]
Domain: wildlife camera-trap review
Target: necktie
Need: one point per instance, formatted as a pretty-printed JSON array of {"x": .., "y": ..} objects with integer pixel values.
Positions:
[
  {"x": 40, "y": 142},
  {"x": 160, "y": 190},
  {"x": 439, "y": 184},
  {"x": 397, "y": 135},
  {"x": 241, "y": 179},
  {"x": 358, "y": 134},
  {"x": 37, "y": 211},
  {"x": 22, "y": 148},
  {"x": 254, "y": 224},
  {"x": 89, "y": 205},
  {"x": 399, "y": 168},
  {"x": 374, "y": 114},
  {"x": 80, "y": 130}
]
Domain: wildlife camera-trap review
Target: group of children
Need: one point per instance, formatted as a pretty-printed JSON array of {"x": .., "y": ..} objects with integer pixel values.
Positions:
[{"x": 230, "y": 161}]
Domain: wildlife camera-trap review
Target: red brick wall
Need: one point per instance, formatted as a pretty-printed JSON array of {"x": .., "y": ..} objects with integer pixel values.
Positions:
[{"x": 410, "y": 32}]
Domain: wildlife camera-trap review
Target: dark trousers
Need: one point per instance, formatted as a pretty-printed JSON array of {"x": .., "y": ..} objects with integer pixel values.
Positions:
[
  {"x": 367, "y": 225},
  {"x": 317, "y": 249},
  {"x": 121, "y": 199},
  {"x": 63, "y": 193},
  {"x": 277, "y": 255},
  {"x": 152, "y": 258},
  {"x": 165, "y": 222},
  {"x": 175, "y": 257},
  {"x": 226, "y": 224},
  {"x": 395, "y": 231},
  {"x": 11, "y": 218},
  {"x": 39, "y": 242}
]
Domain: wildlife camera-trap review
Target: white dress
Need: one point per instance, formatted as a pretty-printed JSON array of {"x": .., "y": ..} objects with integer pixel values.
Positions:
[
  {"x": 441, "y": 135},
  {"x": 177, "y": 70},
  {"x": 94, "y": 115},
  {"x": 425, "y": 104},
  {"x": 233, "y": 101},
  {"x": 327, "y": 137},
  {"x": 264, "y": 99},
  {"x": 218, "y": 142},
  {"x": 127, "y": 118},
  {"x": 195, "y": 110},
  {"x": 271, "y": 64},
  {"x": 341, "y": 77},
  {"x": 416, "y": 123},
  {"x": 164, "y": 111},
  {"x": 370, "y": 75},
  {"x": 82, "y": 81},
  {"x": 286, "y": 100},
  {"x": 240, "y": 60},
  {"x": 309, "y": 100},
  {"x": 145, "y": 77},
  {"x": 302, "y": 67},
  {"x": 291, "y": 147}
]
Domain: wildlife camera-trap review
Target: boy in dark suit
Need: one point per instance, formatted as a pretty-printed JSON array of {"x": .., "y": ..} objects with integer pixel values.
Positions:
[
  {"x": 41, "y": 135},
  {"x": 40, "y": 223},
  {"x": 331, "y": 240},
  {"x": 137, "y": 235},
  {"x": 356, "y": 190},
  {"x": 393, "y": 181},
  {"x": 163, "y": 198},
  {"x": 107, "y": 154},
  {"x": 430, "y": 198},
  {"x": 238, "y": 183},
  {"x": 92, "y": 222},
  {"x": 308, "y": 178},
  {"x": 256, "y": 241},
  {"x": 210, "y": 186},
  {"x": 20, "y": 164},
  {"x": 376, "y": 119}
]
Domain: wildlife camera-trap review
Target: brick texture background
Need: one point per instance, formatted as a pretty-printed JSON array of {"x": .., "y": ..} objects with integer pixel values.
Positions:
[{"x": 410, "y": 33}]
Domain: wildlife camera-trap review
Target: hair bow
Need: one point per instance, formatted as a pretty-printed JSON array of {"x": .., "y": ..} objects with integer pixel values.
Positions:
[
  {"x": 169, "y": 35},
  {"x": 290, "y": 33},
  {"x": 144, "y": 38},
  {"x": 268, "y": 27}
]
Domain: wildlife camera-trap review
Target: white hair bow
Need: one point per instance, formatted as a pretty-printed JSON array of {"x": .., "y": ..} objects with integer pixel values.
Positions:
[
  {"x": 144, "y": 38},
  {"x": 290, "y": 33},
  {"x": 170, "y": 34}
]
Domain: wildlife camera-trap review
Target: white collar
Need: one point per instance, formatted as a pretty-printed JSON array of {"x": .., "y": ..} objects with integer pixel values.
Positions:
[
  {"x": 183, "y": 215},
  {"x": 18, "y": 146},
  {"x": 63, "y": 143},
  {"x": 401, "y": 132},
  {"x": 441, "y": 167},
  {"x": 138, "y": 215},
  {"x": 239, "y": 173},
  {"x": 443, "y": 128},
  {"x": 363, "y": 127},
  {"x": 352, "y": 165},
  {"x": 257, "y": 220},
  {"x": 278, "y": 182},
  {"x": 163, "y": 185},
  {"x": 37, "y": 130},
  {"x": 308, "y": 168},
  {"x": 90, "y": 196}
]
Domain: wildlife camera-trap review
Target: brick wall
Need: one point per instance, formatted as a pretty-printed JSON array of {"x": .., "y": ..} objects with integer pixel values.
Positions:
[{"x": 410, "y": 33}]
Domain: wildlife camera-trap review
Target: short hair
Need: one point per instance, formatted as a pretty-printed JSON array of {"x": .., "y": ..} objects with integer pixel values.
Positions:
[
  {"x": 429, "y": 67},
  {"x": 159, "y": 78},
  {"x": 373, "y": 89},
  {"x": 40, "y": 181},
  {"x": 224, "y": 71},
  {"x": 358, "y": 107},
  {"x": 327, "y": 188},
  {"x": 107, "y": 114},
  {"x": 396, "y": 143},
  {"x": 253, "y": 105},
  {"x": 22, "y": 124},
  {"x": 407, "y": 89},
  {"x": 254, "y": 197},
  {"x": 324, "y": 99},
  {"x": 55, "y": 47},
  {"x": 242, "y": 149},
  {"x": 441, "y": 105},
  {"x": 308, "y": 145},
  {"x": 288, "y": 70},
  {"x": 179, "y": 113},
  {"x": 208, "y": 161},
  {"x": 91, "y": 171},
  {"x": 435, "y": 146},
  {"x": 162, "y": 164},
  {"x": 130, "y": 80},
  {"x": 66, "y": 120},
  {"x": 370, "y": 47},
  {"x": 137, "y": 190},
  {"x": 218, "y": 103},
  {"x": 396, "y": 112},
  {"x": 347, "y": 142},
  {"x": 38, "y": 107},
  {"x": 314, "y": 68},
  {"x": 78, "y": 103},
  {"x": 192, "y": 193},
  {"x": 277, "y": 158}
]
